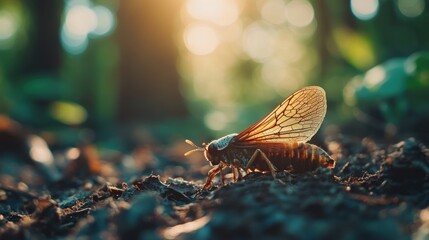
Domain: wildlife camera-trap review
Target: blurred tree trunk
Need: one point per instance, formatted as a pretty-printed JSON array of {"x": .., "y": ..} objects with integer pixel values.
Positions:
[
  {"x": 324, "y": 31},
  {"x": 43, "y": 52},
  {"x": 149, "y": 82},
  {"x": 34, "y": 80}
]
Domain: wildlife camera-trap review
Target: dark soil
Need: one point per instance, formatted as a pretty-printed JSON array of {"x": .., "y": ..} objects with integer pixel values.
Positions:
[{"x": 374, "y": 192}]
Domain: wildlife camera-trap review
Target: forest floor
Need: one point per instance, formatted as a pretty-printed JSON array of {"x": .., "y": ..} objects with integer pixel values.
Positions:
[{"x": 374, "y": 192}]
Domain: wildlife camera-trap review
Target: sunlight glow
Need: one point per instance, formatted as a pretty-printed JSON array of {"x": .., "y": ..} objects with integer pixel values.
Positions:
[
  {"x": 216, "y": 120},
  {"x": 260, "y": 51},
  {"x": 364, "y": 9},
  {"x": 200, "y": 39},
  {"x": 274, "y": 11},
  {"x": 299, "y": 13},
  {"x": 8, "y": 25},
  {"x": 274, "y": 72},
  {"x": 220, "y": 12},
  {"x": 258, "y": 41},
  {"x": 411, "y": 8},
  {"x": 278, "y": 75}
]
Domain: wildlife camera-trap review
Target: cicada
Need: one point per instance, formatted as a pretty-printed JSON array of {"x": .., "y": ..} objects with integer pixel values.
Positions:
[{"x": 275, "y": 143}]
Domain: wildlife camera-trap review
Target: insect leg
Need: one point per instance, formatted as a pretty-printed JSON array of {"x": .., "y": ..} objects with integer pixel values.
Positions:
[
  {"x": 251, "y": 160},
  {"x": 212, "y": 173},
  {"x": 269, "y": 163},
  {"x": 234, "y": 174},
  {"x": 221, "y": 167},
  {"x": 265, "y": 158},
  {"x": 236, "y": 170},
  {"x": 239, "y": 175}
]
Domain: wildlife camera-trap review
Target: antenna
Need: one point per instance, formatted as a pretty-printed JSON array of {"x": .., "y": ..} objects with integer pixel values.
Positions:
[{"x": 197, "y": 149}]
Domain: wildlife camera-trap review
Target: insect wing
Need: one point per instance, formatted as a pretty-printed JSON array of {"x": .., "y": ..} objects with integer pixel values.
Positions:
[{"x": 296, "y": 119}]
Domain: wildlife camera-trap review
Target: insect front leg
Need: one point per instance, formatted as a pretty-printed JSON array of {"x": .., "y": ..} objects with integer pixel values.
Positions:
[
  {"x": 265, "y": 158},
  {"x": 221, "y": 167},
  {"x": 212, "y": 173}
]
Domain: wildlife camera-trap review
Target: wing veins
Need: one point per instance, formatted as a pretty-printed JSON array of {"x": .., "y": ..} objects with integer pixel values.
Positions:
[{"x": 297, "y": 118}]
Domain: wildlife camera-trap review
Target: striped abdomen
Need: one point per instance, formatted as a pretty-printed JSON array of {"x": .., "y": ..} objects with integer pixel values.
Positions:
[{"x": 298, "y": 157}]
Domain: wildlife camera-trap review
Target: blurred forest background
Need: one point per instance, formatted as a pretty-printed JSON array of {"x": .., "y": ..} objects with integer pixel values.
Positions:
[
  {"x": 124, "y": 73},
  {"x": 98, "y": 96}
]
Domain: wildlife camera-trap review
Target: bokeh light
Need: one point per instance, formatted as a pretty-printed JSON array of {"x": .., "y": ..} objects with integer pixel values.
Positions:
[
  {"x": 68, "y": 113},
  {"x": 256, "y": 54},
  {"x": 274, "y": 11},
  {"x": 364, "y": 9},
  {"x": 82, "y": 20},
  {"x": 200, "y": 39},
  {"x": 374, "y": 77},
  {"x": 8, "y": 28},
  {"x": 105, "y": 21},
  {"x": 274, "y": 72},
  {"x": 73, "y": 153},
  {"x": 280, "y": 76},
  {"x": 39, "y": 150},
  {"x": 216, "y": 120},
  {"x": 8, "y": 25},
  {"x": 79, "y": 21},
  {"x": 73, "y": 44},
  {"x": 258, "y": 41},
  {"x": 299, "y": 13},
  {"x": 411, "y": 8},
  {"x": 220, "y": 12}
]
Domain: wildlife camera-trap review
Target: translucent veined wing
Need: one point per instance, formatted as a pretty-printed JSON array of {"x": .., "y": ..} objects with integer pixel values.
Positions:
[{"x": 296, "y": 119}]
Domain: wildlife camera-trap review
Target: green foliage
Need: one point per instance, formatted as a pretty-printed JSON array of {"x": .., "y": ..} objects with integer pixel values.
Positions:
[{"x": 394, "y": 88}]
